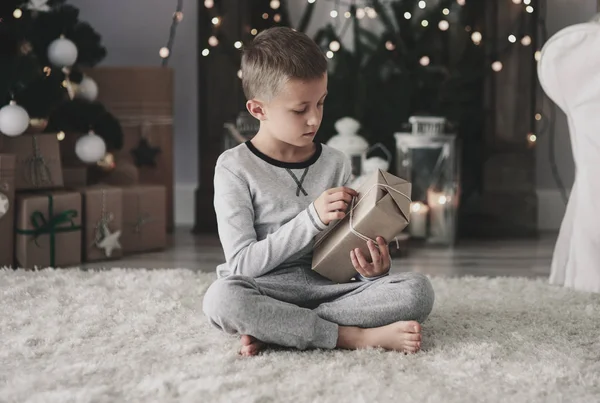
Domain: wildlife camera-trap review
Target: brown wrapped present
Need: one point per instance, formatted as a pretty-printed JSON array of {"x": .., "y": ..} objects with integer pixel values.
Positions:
[
  {"x": 7, "y": 212},
  {"x": 103, "y": 220},
  {"x": 48, "y": 229},
  {"x": 38, "y": 164},
  {"x": 145, "y": 223},
  {"x": 142, "y": 100},
  {"x": 382, "y": 208},
  {"x": 75, "y": 177}
]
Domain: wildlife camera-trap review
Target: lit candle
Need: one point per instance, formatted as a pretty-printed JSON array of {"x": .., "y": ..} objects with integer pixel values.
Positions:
[
  {"x": 438, "y": 203},
  {"x": 418, "y": 220}
]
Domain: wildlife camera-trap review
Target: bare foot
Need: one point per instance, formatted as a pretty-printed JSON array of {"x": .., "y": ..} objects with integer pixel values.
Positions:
[
  {"x": 398, "y": 336},
  {"x": 250, "y": 346}
]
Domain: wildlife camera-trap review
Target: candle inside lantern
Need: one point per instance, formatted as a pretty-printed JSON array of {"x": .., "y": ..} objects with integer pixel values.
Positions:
[
  {"x": 439, "y": 204},
  {"x": 418, "y": 220}
]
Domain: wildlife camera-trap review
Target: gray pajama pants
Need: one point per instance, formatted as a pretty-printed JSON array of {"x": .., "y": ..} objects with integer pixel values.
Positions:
[{"x": 296, "y": 307}]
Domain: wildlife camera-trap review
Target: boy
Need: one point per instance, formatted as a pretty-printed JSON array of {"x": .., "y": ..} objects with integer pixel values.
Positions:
[{"x": 273, "y": 195}]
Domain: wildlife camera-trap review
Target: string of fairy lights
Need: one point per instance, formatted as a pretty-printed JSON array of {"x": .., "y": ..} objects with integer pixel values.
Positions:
[{"x": 365, "y": 11}]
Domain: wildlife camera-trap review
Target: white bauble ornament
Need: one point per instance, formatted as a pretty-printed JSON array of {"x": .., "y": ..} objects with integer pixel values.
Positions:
[
  {"x": 87, "y": 89},
  {"x": 62, "y": 52},
  {"x": 90, "y": 148},
  {"x": 14, "y": 120}
]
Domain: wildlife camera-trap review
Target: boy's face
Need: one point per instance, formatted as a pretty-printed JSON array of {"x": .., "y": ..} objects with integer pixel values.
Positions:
[{"x": 294, "y": 115}]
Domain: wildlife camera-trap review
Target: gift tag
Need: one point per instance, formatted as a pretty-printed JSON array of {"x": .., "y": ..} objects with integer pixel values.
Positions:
[{"x": 4, "y": 205}]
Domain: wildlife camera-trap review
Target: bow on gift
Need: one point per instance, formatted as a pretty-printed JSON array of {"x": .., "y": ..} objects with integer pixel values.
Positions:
[{"x": 52, "y": 226}]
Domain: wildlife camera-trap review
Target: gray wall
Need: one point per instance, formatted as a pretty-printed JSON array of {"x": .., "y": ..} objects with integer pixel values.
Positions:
[
  {"x": 133, "y": 31},
  {"x": 561, "y": 13}
]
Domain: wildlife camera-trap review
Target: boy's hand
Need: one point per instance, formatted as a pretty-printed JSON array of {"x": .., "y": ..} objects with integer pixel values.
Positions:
[
  {"x": 380, "y": 259},
  {"x": 333, "y": 204}
]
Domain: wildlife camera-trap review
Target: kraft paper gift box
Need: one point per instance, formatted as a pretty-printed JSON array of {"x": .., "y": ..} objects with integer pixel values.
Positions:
[
  {"x": 382, "y": 208},
  {"x": 48, "y": 229},
  {"x": 102, "y": 207},
  {"x": 38, "y": 164},
  {"x": 7, "y": 209},
  {"x": 145, "y": 222}
]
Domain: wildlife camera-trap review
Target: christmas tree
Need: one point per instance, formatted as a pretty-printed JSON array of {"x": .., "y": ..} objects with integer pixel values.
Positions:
[{"x": 44, "y": 48}]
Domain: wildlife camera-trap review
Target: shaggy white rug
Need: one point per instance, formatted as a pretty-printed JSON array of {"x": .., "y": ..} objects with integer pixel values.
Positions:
[{"x": 140, "y": 336}]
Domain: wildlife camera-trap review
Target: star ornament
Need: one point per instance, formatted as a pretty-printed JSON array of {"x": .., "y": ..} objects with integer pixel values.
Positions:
[
  {"x": 110, "y": 242},
  {"x": 38, "y": 5},
  {"x": 4, "y": 205},
  {"x": 145, "y": 154}
]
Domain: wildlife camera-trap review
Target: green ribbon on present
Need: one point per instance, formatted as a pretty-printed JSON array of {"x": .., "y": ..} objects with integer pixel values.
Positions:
[{"x": 52, "y": 226}]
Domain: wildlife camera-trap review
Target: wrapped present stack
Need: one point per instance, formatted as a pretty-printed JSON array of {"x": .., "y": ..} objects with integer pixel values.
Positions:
[{"x": 51, "y": 216}]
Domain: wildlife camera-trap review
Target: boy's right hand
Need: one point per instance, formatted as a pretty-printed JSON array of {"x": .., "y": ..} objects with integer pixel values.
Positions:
[{"x": 333, "y": 203}]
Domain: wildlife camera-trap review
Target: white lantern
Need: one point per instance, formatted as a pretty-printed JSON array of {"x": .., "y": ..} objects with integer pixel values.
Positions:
[{"x": 350, "y": 143}]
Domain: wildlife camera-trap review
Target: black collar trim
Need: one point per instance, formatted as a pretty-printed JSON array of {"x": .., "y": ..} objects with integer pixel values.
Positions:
[{"x": 288, "y": 165}]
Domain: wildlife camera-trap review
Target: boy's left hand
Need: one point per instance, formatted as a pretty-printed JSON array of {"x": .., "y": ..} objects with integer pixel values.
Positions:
[{"x": 380, "y": 259}]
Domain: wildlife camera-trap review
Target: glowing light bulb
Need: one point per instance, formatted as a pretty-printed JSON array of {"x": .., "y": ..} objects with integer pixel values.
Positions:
[
  {"x": 497, "y": 66},
  {"x": 415, "y": 207},
  {"x": 334, "y": 46},
  {"x": 512, "y": 38},
  {"x": 213, "y": 41},
  {"x": 446, "y": 11},
  {"x": 333, "y": 14},
  {"x": 476, "y": 37},
  {"x": 347, "y": 14},
  {"x": 360, "y": 13},
  {"x": 538, "y": 55},
  {"x": 216, "y": 20},
  {"x": 529, "y": 9},
  {"x": 424, "y": 61},
  {"x": 329, "y": 54},
  {"x": 254, "y": 31},
  {"x": 209, "y": 3},
  {"x": 531, "y": 138},
  {"x": 277, "y": 17},
  {"x": 60, "y": 136},
  {"x": 442, "y": 199},
  {"x": 527, "y": 2},
  {"x": 424, "y": 23},
  {"x": 407, "y": 15},
  {"x": 389, "y": 45},
  {"x": 237, "y": 44},
  {"x": 17, "y": 13},
  {"x": 516, "y": 1},
  {"x": 444, "y": 25},
  {"x": 311, "y": 1},
  {"x": 205, "y": 52},
  {"x": 275, "y": 4},
  {"x": 538, "y": 116},
  {"x": 461, "y": 2},
  {"x": 526, "y": 40},
  {"x": 422, "y": 4},
  {"x": 164, "y": 52},
  {"x": 265, "y": 16},
  {"x": 371, "y": 13},
  {"x": 239, "y": 74}
]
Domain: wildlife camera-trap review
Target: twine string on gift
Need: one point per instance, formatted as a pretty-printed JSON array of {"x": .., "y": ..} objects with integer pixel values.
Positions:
[
  {"x": 53, "y": 225},
  {"x": 355, "y": 204},
  {"x": 142, "y": 218},
  {"x": 37, "y": 168},
  {"x": 101, "y": 228}
]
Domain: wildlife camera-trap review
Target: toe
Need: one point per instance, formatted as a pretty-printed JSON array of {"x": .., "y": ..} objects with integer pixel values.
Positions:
[{"x": 412, "y": 336}]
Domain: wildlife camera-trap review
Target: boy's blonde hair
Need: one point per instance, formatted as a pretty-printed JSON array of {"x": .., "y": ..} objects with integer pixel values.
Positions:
[{"x": 277, "y": 55}]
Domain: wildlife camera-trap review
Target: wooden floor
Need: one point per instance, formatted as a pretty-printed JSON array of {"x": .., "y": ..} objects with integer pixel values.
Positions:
[{"x": 523, "y": 258}]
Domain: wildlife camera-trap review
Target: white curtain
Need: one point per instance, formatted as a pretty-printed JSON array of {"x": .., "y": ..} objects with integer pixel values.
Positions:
[{"x": 569, "y": 71}]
